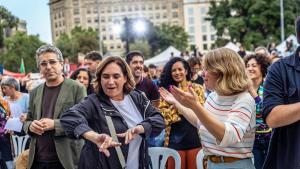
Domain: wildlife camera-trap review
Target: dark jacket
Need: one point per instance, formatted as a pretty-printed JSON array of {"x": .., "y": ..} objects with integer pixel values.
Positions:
[
  {"x": 90, "y": 115},
  {"x": 282, "y": 87}
]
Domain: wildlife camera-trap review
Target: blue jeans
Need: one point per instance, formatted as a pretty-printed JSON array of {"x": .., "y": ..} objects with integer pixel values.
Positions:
[
  {"x": 240, "y": 164},
  {"x": 260, "y": 150}
]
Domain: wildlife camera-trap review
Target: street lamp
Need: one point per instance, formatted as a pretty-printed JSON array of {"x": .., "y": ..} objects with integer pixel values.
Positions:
[{"x": 139, "y": 27}]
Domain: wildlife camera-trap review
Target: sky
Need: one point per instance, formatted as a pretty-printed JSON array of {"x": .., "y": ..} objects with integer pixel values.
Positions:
[{"x": 35, "y": 12}]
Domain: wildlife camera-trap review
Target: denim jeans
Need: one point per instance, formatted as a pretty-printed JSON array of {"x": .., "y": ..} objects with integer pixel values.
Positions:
[
  {"x": 260, "y": 150},
  {"x": 241, "y": 164}
]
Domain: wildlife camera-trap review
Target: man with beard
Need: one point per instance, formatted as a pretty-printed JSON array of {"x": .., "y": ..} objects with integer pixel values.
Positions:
[{"x": 135, "y": 60}]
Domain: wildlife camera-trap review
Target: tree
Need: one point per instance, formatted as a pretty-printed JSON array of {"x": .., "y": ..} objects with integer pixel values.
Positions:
[
  {"x": 143, "y": 46},
  {"x": 7, "y": 20},
  {"x": 20, "y": 46},
  {"x": 167, "y": 35},
  {"x": 252, "y": 22},
  {"x": 79, "y": 41}
]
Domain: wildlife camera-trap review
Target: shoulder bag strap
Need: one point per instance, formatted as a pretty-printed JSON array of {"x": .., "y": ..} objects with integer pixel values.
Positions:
[{"x": 113, "y": 134}]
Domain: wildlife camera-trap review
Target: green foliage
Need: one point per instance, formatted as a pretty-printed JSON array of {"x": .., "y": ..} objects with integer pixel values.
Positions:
[
  {"x": 7, "y": 20},
  {"x": 20, "y": 46},
  {"x": 80, "y": 41},
  {"x": 251, "y": 22},
  {"x": 167, "y": 35},
  {"x": 143, "y": 46}
]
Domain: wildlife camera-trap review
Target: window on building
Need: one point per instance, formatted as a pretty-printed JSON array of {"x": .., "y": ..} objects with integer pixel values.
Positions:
[
  {"x": 112, "y": 47},
  {"x": 190, "y": 11},
  {"x": 123, "y": 9},
  {"x": 191, "y": 29},
  {"x": 165, "y": 15},
  {"x": 191, "y": 20},
  {"x": 157, "y": 6},
  {"x": 77, "y": 21},
  {"x": 63, "y": 23},
  {"x": 108, "y": 9},
  {"x": 203, "y": 28},
  {"x": 174, "y": 5},
  {"x": 59, "y": 15},
  {"x": 150, "y": 7},
  {"x": 212, "y": 37},
  {"x": 88, "y": 11},
  {"x": 116, "y": 9},
  {"x": 96, "y": 20},
  {"x": 175, "y": 14},
  {"x": 55, "y": 25},
  {"x": 102, "y": 19},
  {"x": 164, "y": 6},
  {"x": 203, "y": 10},
  {"x": 205, "y": 47},
  {"x": 103, "y": 37},
  {"x": 204, "y": 38},
  {"x": 119, "y": 46},
  {"x": 143, "y": 7},
  {"x": 89, "y": 20},
  {"x": 192, "y": 39},
  {"x": 76, "y": 11},
  {"x": 59, "y": 24},
  {"x": 54, "y": 16},
  {"x": 111, "y": 37},
  {"x": 157, "y": 15}
]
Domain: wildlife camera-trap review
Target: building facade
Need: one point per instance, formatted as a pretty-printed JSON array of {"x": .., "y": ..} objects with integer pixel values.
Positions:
[
  {"x": 201, "y": 33},
  {"x": 104, "y": 15}
]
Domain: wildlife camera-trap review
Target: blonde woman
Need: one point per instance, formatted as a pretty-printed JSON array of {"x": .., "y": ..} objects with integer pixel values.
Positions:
[{"x": 226, "y": 122}]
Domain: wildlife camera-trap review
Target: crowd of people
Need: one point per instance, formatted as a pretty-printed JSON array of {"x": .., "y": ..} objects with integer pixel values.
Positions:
[{"x": 241, "y": 109}]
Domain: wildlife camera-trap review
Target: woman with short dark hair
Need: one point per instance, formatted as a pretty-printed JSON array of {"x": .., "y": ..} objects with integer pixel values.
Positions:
[{"x": 83, "y": 76}]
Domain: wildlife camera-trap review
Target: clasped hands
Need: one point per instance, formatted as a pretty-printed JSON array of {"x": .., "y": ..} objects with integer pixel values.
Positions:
[
  {"x": 104, "y": 141},
  {"x": 40, "y": 126}
]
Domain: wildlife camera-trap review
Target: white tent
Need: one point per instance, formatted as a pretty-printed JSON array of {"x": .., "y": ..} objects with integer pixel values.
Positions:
[
  {"x": 163, "y": 57},
  {"x": 281, "y": 48}
]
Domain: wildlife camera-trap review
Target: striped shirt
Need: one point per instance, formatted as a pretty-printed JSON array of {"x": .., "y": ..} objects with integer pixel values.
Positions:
[{"x": 238, "y": 114}]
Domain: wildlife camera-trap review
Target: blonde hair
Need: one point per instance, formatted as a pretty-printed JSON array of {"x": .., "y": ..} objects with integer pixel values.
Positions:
[
  {"x": 231, "y": 71},
  {"x": 128, "y": 86}
]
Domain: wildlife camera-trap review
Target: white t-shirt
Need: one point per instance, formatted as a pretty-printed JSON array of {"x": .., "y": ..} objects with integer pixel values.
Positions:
[{"x": 132, "y": 116}]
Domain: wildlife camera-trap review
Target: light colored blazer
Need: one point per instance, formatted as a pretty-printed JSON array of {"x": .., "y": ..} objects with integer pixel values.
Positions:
[{"x": 68, "y": 150}]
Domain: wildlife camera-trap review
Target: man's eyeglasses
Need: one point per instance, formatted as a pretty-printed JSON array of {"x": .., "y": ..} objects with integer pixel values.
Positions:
[{"x": 51, "y": 62}]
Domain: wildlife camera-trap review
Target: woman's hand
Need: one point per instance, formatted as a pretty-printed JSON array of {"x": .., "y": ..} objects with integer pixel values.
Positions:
[
  {"x": 131, "y": 133},
  {"x": 167, "y": 96},
  {"x": 187, "y": 99},
  {"x": 103, "y": 141}
]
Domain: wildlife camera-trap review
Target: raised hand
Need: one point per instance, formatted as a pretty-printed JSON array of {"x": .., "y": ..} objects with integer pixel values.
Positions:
[
  {"x": 187, "y": 99},
  {"x": 131, "y": 133},
  {"x": 167, "y": 96}
]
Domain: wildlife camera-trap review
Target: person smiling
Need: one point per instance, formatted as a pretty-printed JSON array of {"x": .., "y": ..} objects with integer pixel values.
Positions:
[
  {"x": 256, "y": 66},
  {"x": 226, "y": 122},
  {"x": 180, "y": 134},
  {"x": 132, "y": 115}
]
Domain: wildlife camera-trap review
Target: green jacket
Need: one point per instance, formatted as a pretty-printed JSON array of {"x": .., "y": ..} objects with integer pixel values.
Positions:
[{"x": 68, "y": 150}]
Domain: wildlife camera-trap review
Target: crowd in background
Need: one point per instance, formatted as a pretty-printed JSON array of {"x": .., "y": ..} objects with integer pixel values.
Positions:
[{"x": 224, "y": 102}]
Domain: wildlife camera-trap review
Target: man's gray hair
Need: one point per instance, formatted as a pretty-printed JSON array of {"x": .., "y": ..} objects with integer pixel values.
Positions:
[
  {"x": 48, "y": 48},
  {"x": 11, "y": 82}
]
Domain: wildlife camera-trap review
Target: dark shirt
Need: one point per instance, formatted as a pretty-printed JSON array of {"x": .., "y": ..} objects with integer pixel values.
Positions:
[
  {"x": 148, "y": 88},
  {"x": 184, "y": 136},
  {"x": 282, "y": 87},
  {"x": 45, "y": 146},
  {"x": 199, "y": 80}
]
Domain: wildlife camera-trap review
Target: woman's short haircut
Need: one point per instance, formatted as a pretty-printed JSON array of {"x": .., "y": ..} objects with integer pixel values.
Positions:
[
  {"x": 261, "y": 60},
  {"x": 128, "y": 86},
  {"x": 11, "y": 82},
  {"x": 231, "y": 71}
]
